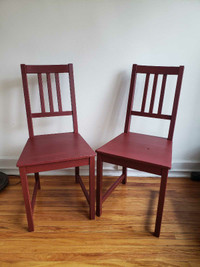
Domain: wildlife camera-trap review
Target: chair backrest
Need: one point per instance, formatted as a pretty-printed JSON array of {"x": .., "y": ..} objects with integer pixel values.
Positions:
[
  {"x": 48, "y": 70},
  {"x": 154, "y": 70}
]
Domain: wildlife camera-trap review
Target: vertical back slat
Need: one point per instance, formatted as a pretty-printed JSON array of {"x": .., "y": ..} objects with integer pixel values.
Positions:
[
  {"x": 153, "y": 93},
  {"x": 130, "y": 99},
  {"x": 73, "y": 101},
  {"x": 50, "y": 92},
  {"x": 58, "y": 92},
  {"x": 175, "y": 104},
  {"x": 27, "y": 100},
  {"x": 145, "y": 92},
  {"x": 41, "y": 92},
  {"x": 162, "y": 92}
]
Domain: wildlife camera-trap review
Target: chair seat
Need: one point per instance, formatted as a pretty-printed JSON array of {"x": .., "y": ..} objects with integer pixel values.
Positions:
[
  {"x": 44, "y": 149},
  {"x": 139, "y": 147}
]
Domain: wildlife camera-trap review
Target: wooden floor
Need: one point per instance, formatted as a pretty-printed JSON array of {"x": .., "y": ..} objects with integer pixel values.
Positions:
[{"x": 64, "y": 236}]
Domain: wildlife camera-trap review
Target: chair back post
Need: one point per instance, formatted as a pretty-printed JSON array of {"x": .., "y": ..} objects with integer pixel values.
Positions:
[
  {"x": 175, "y": 104},
  {"x": 73, "y": 99},
  {"x": 130, "y": 99},
  {"x": 27, "y": 100}
]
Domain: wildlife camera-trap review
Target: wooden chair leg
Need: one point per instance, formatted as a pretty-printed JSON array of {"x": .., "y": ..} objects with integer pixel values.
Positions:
[
  {"x": 77, "y": 175},
  {"x": 37, "y": 179},
  {"x": 124, "y": 171},
  {"x": 161, "y": 201},
  {"x": 92, "y": 188},
  {"x": 27, "y": 202},
  {"x": 99, "y": 186}
]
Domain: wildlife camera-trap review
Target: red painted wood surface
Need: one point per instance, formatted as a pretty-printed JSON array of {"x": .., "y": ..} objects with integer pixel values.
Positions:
[
  {"x": 153, "y": 93},
  {"x": 41, "y": 93},
  {"x": 140, "y": 147},
  {"x": 145, "y": 92},
  {"x": 138, "y": 151},
  {"x": 27, "y": 100},
  {"x": 72, "y": 93},
  {"x": 57, "y": 165},
  {"x": 47, "y": 68},
  {"x": 92, "y": 187},
  {"x": 162, "y": 92},
  {"x": 43, "y": 149},
  {"x": 58, "y": 92},
  {"x": 151, "y": 115},
  {"x": 130, "y": 99},
  {"x": 176, "y": 101},
  {"x": 131, "y": 163},
  {"x": 50, "y": 92},
  {"x": 157, "y": 69},
  {"x": 51, "y": 114},
  {"x": 53, "y": 151}
]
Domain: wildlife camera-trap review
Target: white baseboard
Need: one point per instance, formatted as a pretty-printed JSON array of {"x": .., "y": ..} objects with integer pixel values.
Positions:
[{"x": 179, "y": 169}]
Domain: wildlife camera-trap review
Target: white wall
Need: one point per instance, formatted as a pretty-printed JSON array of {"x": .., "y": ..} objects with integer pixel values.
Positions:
[{"x": 102, "y": 39}]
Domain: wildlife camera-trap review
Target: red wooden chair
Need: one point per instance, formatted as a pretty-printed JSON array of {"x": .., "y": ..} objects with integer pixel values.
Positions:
[
  {"x": 138, "y": 151},
  {"x": 53, "y": 151}
]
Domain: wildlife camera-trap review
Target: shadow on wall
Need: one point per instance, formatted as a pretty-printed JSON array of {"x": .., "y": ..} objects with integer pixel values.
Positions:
[
  {"x": 114, "y": 113},
  {"x": 14, "y": 129},
  {"x": 11, "y": 112}
]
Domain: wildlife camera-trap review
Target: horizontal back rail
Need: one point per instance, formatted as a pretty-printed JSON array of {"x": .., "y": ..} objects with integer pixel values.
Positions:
[
  {"x": 151, "y": 115},
  {"x": 157, "y": 70},
  {"x": 51, "y": 114},
  {"x": 46, "y": 68}
]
